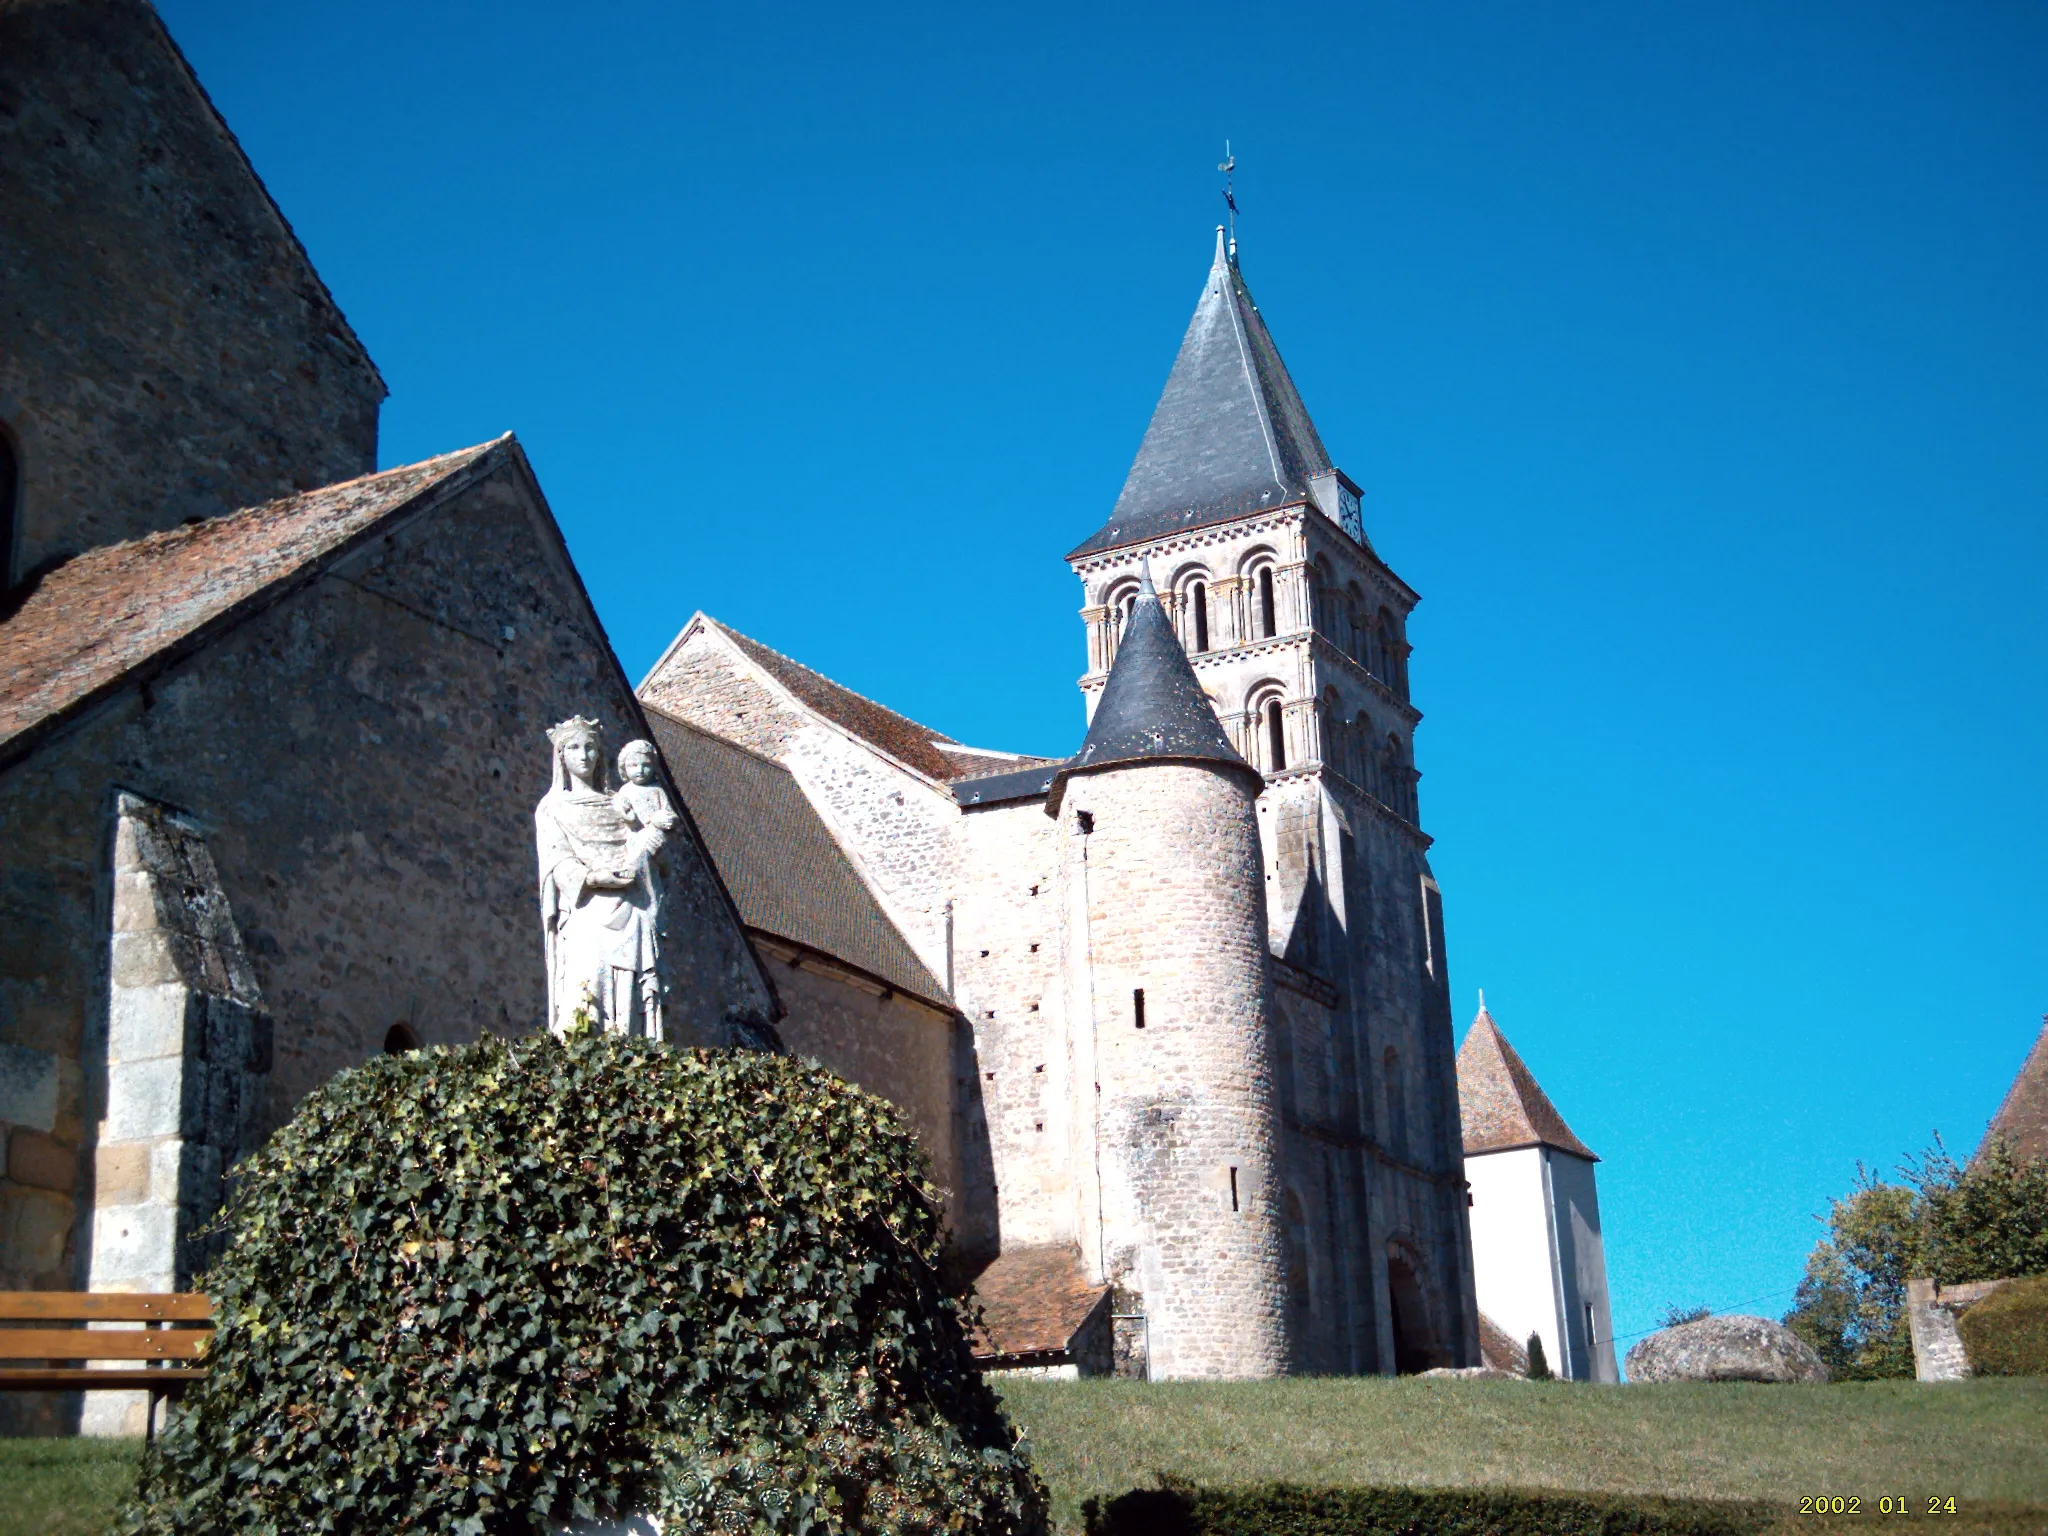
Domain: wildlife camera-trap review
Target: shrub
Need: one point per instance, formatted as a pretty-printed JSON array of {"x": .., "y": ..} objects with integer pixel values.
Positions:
[
  {"x": 1279, "y": 1509},
  {"x": 2006, "y": 1334},
  {"x": 488, "y": 1289},
  {"x": 1539, "y": 1363},
  {"x": 1677, "y": 1316}
]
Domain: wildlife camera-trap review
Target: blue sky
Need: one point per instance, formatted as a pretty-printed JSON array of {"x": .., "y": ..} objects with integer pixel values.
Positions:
[{"x": 1694, "y": 359}]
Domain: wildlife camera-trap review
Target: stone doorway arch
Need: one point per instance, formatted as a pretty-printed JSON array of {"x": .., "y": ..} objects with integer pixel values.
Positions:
[{"x": 1415, "y": 1339}]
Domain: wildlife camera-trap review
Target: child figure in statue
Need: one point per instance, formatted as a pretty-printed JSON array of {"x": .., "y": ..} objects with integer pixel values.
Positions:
[{"x": 641, "y": 799}]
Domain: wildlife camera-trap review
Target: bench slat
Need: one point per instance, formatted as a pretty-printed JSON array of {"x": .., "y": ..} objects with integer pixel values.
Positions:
[
  {"x": 169, "y": 1379},
  {"x": 103, "y": 1343},
  {"x": 105, "y": 1307}
]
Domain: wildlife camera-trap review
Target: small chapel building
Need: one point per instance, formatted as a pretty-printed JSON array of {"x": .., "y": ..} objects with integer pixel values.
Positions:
[{"x": 1537, "y": 1253}]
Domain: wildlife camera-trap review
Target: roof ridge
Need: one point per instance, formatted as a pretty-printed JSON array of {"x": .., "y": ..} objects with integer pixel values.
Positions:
[{"x": 937, "y": 736}]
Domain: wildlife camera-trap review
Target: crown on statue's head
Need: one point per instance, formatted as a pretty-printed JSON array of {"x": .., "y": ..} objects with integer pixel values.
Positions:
[{"x": 575, "y": 725}]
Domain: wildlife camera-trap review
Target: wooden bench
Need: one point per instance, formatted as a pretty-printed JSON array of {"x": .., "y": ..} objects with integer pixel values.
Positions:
[{"x": 167, "y": 1349}]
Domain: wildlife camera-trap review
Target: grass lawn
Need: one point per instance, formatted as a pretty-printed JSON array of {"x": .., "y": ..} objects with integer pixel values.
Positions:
[
  {"x": 1981, "y": 1441},
  {"x": 64, "y": 1487}
]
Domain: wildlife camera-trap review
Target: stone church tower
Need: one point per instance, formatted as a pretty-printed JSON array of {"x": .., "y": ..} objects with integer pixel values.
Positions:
[
  {"x": 1206, "y": 1109},
  {"x": 1164, "y": 950},
  {"x": 1296, "y": 631}
]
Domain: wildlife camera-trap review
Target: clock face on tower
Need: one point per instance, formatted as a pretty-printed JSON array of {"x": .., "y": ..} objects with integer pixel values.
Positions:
[{"x": 1347, "y": 514}]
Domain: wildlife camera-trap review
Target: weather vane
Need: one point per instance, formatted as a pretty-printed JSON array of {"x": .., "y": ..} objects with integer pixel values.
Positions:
[{"x": 1228, "y": 165}]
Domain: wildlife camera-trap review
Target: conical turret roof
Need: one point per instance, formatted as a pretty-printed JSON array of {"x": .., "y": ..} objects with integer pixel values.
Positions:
[
  {"x": 1499, "y": 1103},
  {"x": 1151, "y": 706},
  {"x": 1229, "y": 434}
]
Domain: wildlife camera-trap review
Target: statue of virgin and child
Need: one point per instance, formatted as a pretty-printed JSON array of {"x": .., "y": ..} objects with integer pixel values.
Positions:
[{"x": 601, "y": 884}]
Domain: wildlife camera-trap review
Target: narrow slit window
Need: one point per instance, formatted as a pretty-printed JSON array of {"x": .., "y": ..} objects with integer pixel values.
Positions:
[
  {"x": 1276, "y": 736},
  {"x": 1233, "y": 1189},
  {"x": 1138, "y": 1007},
  {"x": 1269, "y": 620},
  {"x": 1198, "y": 601}
]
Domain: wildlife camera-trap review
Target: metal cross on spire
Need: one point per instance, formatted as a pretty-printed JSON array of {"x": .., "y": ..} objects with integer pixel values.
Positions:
[{"x": 1227, "y": 166}]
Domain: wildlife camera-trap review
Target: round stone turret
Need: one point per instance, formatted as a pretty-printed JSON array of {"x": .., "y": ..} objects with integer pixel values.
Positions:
[{"x": 1174, "y": 1129}]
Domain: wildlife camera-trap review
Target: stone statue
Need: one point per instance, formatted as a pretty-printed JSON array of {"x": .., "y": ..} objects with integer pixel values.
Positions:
[{"x": 600, "y": 890}]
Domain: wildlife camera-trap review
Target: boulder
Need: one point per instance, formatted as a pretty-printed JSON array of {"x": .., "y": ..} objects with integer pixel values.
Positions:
[
  {"x": 1725, "y": 1349},
  {"x": 1472, "y": 1373}
]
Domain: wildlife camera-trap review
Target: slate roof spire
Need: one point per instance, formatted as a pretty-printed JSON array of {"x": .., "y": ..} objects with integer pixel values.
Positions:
[
  {"x": 1500, "y": 1105},
  {"x": 1152, "y": 708},
  {"x": 1229, "y": 434}
]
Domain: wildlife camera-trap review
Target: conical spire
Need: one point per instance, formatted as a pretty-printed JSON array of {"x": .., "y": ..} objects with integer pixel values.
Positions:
[
  {"x": 1500, "y": 1103},
  {"x": 1151, "y": 705},
  {"x": 1229, "y": 435}
]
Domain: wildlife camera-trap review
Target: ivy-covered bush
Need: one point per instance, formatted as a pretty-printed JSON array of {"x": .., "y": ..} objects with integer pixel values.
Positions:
[
  {"x": 2006, "y": 1334},
  {"x": 1279, "y": 1509},
  {"x": 489, "y": 1289}
]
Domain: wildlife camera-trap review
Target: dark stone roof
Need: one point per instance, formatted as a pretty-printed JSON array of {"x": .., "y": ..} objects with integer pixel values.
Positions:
[
  {"x": 2023, "y": 1118},
  {"x": 1033, "y": 1302},
  {"x": 1499, "y": 1103},
  {"x": 787, "y": 874},
  {"x": 87, "y": 625},
  {"x": 1005, "y": 788},
  {"x": 1229, "y": 435},
  {"x": 1151, "y": 707}
]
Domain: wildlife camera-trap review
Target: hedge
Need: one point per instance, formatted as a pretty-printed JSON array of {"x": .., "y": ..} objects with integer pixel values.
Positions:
[
  {"x": 490, "y": 1289},
  {"x": 2006, "y": 1334},
  {"x": 1280, "y": 1509}
]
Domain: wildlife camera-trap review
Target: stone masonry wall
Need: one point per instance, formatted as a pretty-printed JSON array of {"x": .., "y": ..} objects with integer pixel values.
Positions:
[
  {"x": 897, "y": 826},
  {"x": 918, "y": 1057},
  {"x": 1166, "y": 896},
  {"x": 166, "y": 350},
  {"x": 1006, "y": 979},
  {"x": 363, "y": 758}
]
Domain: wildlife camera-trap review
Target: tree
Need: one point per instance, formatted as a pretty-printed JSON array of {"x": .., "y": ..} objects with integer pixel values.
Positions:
[
  {"x": 1539, "y": 1366},
  {"x": 1676, "y": 1316},
  {"x": 1982, "y": 1220}
]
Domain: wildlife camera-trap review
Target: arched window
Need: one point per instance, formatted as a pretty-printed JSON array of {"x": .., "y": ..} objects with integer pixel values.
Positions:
[
  {"x": 399, "y": 1039},
  {"x": 10, "y": 486},
  {"x": 1121, "y": 600},
  {"x": 1269, "y": 613},
  {"x": 1393, "y": 670},
  {"x": 1297, "y": 1251},
  {"x": 1276, "y": 736},
  {"x": 1194, "y": 614}
]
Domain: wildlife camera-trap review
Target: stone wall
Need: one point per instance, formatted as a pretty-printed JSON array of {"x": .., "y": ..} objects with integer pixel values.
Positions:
[
  {"x": 1931, "y": 1313},
  {"x": 917, "y": 1056},
  {"x": 363, "y": 758},
  {"x": 1164, "y": 898},
  {"x": 166, "y": 349}
]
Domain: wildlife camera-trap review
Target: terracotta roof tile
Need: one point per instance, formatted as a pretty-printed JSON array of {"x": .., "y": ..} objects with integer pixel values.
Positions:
[
  {"x": 1499, "y": 1349},
  {"x": 2023, "y": 1118},
  {"x": 918, "y": 746},
  {"x": 1033, "y": 1300},
  {"x": 785, "y": 870},
  {"x": 1499, "y": 1102},
  {"x": 96, "y": 618}
]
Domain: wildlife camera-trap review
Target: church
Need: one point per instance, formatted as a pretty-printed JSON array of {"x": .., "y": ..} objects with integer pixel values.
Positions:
[
  {"x": 1170, "y": 1016},
  {"x": 1203, "y": 959}
]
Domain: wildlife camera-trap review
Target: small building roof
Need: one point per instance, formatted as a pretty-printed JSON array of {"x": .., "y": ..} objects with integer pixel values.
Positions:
[
  {"x": 1229, "y": 435},
  {"x": 1152, "y": 706},
  {"x": 1499, "y": 1103},
  {"x": 1033, "y": 1301},
  {"x": 2022, "y": 1119},
  {"x": 94, "y": 621},
  {"x": 788, "y": 875}
]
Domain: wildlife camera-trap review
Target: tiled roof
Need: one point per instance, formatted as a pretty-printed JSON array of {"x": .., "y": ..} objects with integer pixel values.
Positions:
[
  {"x": 788, "y": 875},
  {"x": 92, "y": 621},
  {"x": 1499, "y": 1102},
  {"x": 2023, "y": 1118},
  {"x": 1229, "y": 435},
  {"x": 904, "y": 739},
  {"x": 1033, "y": 1300}
]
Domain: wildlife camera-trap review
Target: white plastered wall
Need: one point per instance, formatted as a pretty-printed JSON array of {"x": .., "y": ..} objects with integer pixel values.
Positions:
[{"x": 1537, "y": 1256}]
